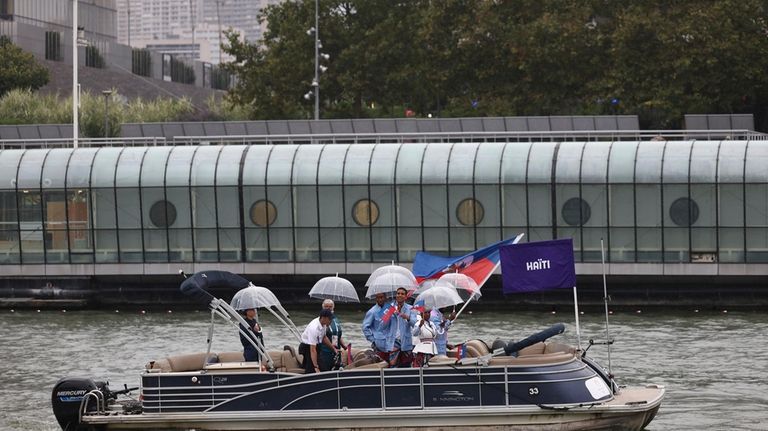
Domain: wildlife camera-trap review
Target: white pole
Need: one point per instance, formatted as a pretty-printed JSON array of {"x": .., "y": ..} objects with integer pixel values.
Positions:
[
  {"x": 576, "y": 312},
  {"x": 605, "y": 301},
  {"x": 75, "y": 92},
  {"x": 316, "y": 83}
]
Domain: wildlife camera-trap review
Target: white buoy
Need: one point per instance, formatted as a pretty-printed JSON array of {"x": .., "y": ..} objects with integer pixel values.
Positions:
[
  {"x": 169, "y": 311},
  {"x": 38, "y": 311},
  {"x": 143, "y": 312},
  {"x": 725, "y": 311}
]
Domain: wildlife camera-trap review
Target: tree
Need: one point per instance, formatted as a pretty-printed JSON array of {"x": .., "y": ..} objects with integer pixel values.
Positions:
[{"x": 19, "y": 69}]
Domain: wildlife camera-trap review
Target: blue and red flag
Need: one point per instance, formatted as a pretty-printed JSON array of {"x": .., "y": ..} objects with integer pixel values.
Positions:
[
  {"x": 478, "y": 265},
  {"x": 388, "y": 312},
  {"x": 535, "y": 266},
  {"x": 419, "y": 305}
]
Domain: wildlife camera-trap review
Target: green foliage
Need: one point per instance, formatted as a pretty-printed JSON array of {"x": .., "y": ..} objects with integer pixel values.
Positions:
[
  {"x": 26, "y": 107},
  {"x": 182, "y": 72},
  {"x": 141, "y": 62},
  {"x": 19, "y": 69},
  {"x": 657, "y": 60},
  {"x": 224, "y": 109}
]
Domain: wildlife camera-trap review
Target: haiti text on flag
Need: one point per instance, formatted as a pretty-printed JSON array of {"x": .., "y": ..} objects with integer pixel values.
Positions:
[
  {"x": 535, "y": 266},
  {"x": 478, "y": 265}
]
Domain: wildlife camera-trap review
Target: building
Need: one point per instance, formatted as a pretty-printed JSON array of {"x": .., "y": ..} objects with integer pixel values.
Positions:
[{"x": 674, "y": 213}]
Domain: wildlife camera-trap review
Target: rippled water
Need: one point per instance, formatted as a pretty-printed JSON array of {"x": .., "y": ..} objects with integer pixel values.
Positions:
[{"x": 714, "y": 365}]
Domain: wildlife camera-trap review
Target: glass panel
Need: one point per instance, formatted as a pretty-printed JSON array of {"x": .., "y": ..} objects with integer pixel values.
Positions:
[
  {"x": 352, "y": 197},
  {"x": 540, "y": 162},
  {"x": 595, "y": 197},
  {"x": 306, "y": 206},
  {"x": 331, "y": 161},
  {"x": 9, "y": 234},
  {"x": 575, "y": 234},
  {"x": 731, "y": 245},
  {"x": 594, "y": 162},
  {"x": 129, "y": 167},
  {"x": 622, "y": 245},
  {"x": 255, "y": 165},
  {"x": 307, "y": 245},
  {"x": 357, "y": 163},
  {"x": 153, "y": 166},
  {"x": 206, "y": 245},
  {"x": 9, "y": 164},
  {"x": 436, "y": 240},
  {"x": 384, "y": 199},
  {"x": 676, "y": 162},
  {"x": 106, "y": 245},
  {"x": 306, "y": 163},
  {"x": 569, "y": 162},
  {"x": 228, "y": 171},
  {"x": 488, "y": 163},
  {"x": 409, "y": 161},
  {"x": 539, "y": 206},
  {"x": 462, "y": 240},
  {"x": 435, "y": 167},
  {"x": 178, "y": 197},
  {"x": 756, "y": 169},
  {"x": 227, "y": 205},
  {"x": 56, "y": 240},
  {"x": 130, "y": 245},
  {"x": 410, "y": 242},
  {"x": 31, "y": 226},
  {"x": 757, "y": 245},
  {"x": 622, "y": 205},
  {"x": 462, "y": 163},
  {"x": 409, "y": 206},
  {"x": 488, "y": 197},
  {"x": 648, "y": 165},
  {"x": 514, "y": 203},
  {"x": 489, "y": 235},
  {"x": 706, "y": 200},
  {"x": 331, "y": 209},
  {"x": 104, "y": 165},
  {"x": 463, "y": 210},
  {"x": 180, "y": 245},
  {"x": 704, "y": 162},
  {"x": 256, "y": 245},
  {"x": 731, "y": 205},
  {"x": 383, "y": 164},
  {"x": 204, "y": 207},
  {"x": 434, "y": 205},
  {"x": 649, "y": 212},
  {"x": 204, "y": 165},
  {"x": 358, "y": 244},
  {"x": 384, "y": 244},
  {"x": 704, "y": 242},
  {"x": 757, "y": 205},
  {"x": 251, "y": 196},
  {"x": 30, "y": 169},
  {"x": 178, "y": 169},
  {"x": 539, "y": 234},
  {"x": 514, "y": 162},
  {"x": 280, "y": 165},
  {"x": 55, "y": 168},
  {"x": 79, "y": 169},
  {"x": 676, "y": 245},
  {"x": 676, "y": 206},
  {"x": 332, "y": 244},
  {"x": 648, "y": 244},
  {"x": 731, "y": 164},
  {"x": 621, "y": 163},
  {"x": 78, "y": 219}
]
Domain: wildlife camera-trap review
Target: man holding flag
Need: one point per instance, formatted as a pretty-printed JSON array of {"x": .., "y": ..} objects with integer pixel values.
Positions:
[{"x": 374, "y": 328}]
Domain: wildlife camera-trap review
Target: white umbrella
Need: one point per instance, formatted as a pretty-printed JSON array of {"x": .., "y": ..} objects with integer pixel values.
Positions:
[
  {"x": 254, "y": 297},
  {"x": 464, "y": 285},
  {"x": 387, "y": 283},
  {"x": 439, "y": 296},
  {"x": 389, "y": 269},
  {"x": 335, "y": 288},
  {"x": 424, "y": 285}
]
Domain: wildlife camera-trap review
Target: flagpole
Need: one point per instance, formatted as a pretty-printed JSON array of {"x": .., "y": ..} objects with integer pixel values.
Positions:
[
  {"x": 576, "y": 312},
  {"x": 515, "y": 241}
]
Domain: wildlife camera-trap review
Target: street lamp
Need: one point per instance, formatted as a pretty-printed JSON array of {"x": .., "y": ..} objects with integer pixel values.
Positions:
[
  {"x": 315, "y": 91},
  {"x": 78, "y": 40},
  {"x": 106, "y": 94}
]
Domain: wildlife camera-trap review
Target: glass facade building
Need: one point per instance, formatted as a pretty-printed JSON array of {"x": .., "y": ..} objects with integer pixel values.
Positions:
[{"x": 650, "y": 201}]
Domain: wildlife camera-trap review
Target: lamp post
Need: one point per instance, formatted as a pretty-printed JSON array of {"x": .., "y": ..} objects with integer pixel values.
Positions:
[
  {"x": 316, "y": 81},
  {"x": 75, "y": 92},
  {"x": 106, "y": 94}
]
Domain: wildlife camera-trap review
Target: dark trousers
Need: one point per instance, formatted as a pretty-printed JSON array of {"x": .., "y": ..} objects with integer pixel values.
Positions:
[{"x": 304, "y": 350}]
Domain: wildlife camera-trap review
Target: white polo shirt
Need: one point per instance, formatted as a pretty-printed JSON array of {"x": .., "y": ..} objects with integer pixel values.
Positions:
[{"x": 314, "y": 332}]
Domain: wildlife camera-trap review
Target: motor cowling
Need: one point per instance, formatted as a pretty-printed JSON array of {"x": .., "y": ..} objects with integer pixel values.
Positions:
[{"x": 66, "y": 398}]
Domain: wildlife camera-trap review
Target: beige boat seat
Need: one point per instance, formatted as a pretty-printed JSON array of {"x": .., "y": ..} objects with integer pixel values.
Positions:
[
  {"x": 540, "y": 359},
  {"x": 290, "y": 360},
  {"x": 188, "y": 362},
  {"x": 231, "y": 357}
]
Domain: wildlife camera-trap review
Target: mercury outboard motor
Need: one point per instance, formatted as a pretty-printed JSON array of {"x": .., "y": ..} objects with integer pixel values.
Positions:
[{"x": 67, "y": 396}]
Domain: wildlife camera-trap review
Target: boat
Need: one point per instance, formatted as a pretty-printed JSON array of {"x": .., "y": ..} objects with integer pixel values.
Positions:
[{"x": 534, "y": 384}]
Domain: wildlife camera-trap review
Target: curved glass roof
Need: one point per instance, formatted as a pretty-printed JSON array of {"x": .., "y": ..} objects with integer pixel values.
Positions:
[{"x": 408, "y": 163}]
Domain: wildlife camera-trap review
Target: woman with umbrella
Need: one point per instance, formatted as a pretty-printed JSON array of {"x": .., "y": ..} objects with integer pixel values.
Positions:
[{"x": 328, "y": 358}]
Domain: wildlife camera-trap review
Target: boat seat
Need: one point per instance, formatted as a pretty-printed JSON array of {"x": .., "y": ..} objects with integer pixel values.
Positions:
[
  {"x": 374, "y": 365},
  {"x": 191, "y": 362},
  {"x": 291, "y": 361},
  {"x": 533, "y": 349},
  {"x": 559, "y": 347},
  {"x": 364, "y": 358},
  {"x": 477, "y": 346},
  {"x": 231, "y": 357}
]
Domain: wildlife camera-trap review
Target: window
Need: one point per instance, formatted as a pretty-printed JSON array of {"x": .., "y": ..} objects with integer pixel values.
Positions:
[
  {"x": 576, "y": 211},
  {"x": 470, "y": 212},
  {"x": 162, "y": 214},
  {"x": 684, "y": 212},
  {"x": 263, "y": 213},
  {"x": 365, "y": 212}
]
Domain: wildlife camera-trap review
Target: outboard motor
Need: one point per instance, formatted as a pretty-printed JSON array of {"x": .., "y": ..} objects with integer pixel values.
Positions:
[{"x": 67, "y": 395}]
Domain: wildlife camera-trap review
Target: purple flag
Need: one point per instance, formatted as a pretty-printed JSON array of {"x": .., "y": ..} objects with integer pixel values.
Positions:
[{"x": 535, "y": 266}]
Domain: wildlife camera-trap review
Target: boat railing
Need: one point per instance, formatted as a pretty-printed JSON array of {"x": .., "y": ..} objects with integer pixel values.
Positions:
[{"x": 100, "y": 404}]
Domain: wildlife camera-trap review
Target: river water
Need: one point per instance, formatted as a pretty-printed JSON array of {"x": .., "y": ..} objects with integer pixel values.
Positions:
[{"x": 714, "y": 364}]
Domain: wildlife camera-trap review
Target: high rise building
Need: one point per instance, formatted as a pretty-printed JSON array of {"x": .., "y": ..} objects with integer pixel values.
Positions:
[{"x": 188, "y": 27}]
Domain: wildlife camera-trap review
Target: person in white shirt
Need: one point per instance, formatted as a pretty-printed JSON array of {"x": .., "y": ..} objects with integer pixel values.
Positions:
[
  {"x": 314, "y": 335},
  {"x": 427, "y": 332}
]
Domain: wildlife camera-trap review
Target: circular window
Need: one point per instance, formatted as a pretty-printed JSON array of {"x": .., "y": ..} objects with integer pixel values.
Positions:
[
  {"x": 684, "y": 212},
  {"x": 365, "y": 212},
  {"x": 263, "y": 213},
  {"x": 470, "y": 212},
  {"x": 576, "y": 211},
  {"x": 162, "y": 214}
]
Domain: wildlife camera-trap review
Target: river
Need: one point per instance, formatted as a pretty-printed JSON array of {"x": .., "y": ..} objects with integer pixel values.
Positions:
[{"x": 714, "y": 364}]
